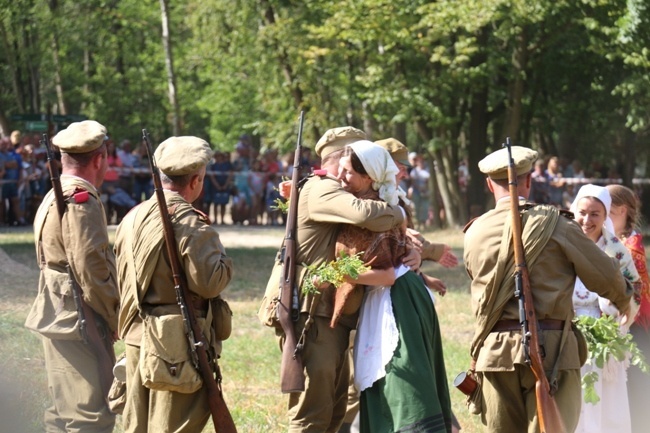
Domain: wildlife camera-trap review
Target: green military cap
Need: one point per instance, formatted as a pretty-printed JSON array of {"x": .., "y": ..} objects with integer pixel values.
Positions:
[
  {"x": 81, "y": 137},
  {"x": 495, "y": 165},
  {"x": 397, "y": 150},
  {"x": 178, "y": 156},
  {"x": 337, "y": 138}
]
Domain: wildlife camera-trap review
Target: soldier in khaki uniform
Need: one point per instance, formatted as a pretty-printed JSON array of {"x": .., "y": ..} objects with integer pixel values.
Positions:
[
  {"x": 164, "y": 390},
  {"x": 322, "y": 207},
  {"x": 80, "y": 239},
  {"x": 556, "y": 251}
]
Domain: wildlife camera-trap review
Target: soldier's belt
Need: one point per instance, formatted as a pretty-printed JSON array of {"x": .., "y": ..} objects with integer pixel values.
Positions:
[{"x": 514, "y": 325}]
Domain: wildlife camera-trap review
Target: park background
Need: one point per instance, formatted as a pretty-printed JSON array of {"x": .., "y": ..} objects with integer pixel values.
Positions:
[{"x": 451, "y": 79}]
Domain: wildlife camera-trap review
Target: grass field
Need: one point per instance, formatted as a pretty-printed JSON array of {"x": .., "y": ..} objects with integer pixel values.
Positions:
[{"x": 251, "y": 359}]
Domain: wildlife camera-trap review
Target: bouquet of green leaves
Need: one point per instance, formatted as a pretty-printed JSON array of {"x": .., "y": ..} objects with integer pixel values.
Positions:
[
  {"x": 604, "y": 340},
  {"x": 280, "y": 203},
  {"x": 333, "y": 272}
]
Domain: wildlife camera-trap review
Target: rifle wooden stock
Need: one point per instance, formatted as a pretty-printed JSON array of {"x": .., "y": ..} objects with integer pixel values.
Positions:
[
  {"x": 548, "y": 413},
  {"x": 221, "y": 418},
  {"x": 292, "y": 378},
  {"x": 102, "y": 346}
]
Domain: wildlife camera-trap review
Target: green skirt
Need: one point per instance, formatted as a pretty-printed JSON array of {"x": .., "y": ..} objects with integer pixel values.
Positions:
[{"x": 414, "y": 395}]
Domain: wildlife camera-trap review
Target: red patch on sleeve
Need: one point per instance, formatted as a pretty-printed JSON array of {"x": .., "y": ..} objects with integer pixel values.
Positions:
[{"x": 80, "y": 197}]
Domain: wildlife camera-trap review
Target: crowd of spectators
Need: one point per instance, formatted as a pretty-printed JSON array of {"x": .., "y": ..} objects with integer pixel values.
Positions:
[
  {"x": 556, "y": 182},
  {"x": 240, "y": 187}
]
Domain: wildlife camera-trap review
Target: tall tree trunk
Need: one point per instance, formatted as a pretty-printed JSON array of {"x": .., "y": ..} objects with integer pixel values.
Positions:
[
  {"x": 516, "y": 89},
  {"x": 13, "y": 68},
  {"x": 437, "y": 168},
  {"x": 283, "y": 58},
  {"x": 628, "y": 157},
  {"x": 399, "y": 132},
  {"x": 60, "y": 94},
  {"x": 85, "y": 89},
  {"x": 287, "y": 68},
  {"x": 169, "y": 64},
  {"x": 455, "y": 199},
  {"x": 31, "y": 66},
  {"x": 442, "y": 168},
  {"x": 478, "y": 137},
  {"x": 4, "y": 124}
]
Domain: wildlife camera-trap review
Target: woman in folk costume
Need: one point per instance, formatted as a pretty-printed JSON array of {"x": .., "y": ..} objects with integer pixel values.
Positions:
[
  {"x": 625, "y": 214},
  {"x": 611, "y": 414},
  {"x": 399, "y": 365}
]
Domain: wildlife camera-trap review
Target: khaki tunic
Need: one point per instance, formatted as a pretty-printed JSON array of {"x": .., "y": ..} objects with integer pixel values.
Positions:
[
  {"x": 80, "y": 239},
  {"x": 322, "y": 207},
  {"x": 208, "y": 271},
  {"x": 568, "y": 253},
  {"x": 432, "y": 251}
]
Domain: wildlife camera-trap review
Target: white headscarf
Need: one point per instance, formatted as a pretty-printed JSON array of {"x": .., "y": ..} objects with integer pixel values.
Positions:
[
  {"x": 380, "y": 167},
  {"x": 602, "y": 194}
]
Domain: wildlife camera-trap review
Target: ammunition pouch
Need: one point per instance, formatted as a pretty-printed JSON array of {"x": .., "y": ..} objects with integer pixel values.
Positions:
[
  {"x": 221, "y": 319},
  {"x": 165, "y": 362}
]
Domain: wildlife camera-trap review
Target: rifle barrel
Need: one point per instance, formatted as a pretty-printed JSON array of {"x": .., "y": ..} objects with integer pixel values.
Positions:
[{"x": 291, "y": 369}]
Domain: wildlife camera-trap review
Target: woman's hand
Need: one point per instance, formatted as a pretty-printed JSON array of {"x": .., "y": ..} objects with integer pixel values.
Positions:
[
  {"x": 412, "y": 259},
  {"x": 434, "y": 284},
  {"x": 317, "y": 283},
  {"x": 285, "y": 189},
  {"x": 448, "y": 258},
  {"x": 374, "y": 277}
]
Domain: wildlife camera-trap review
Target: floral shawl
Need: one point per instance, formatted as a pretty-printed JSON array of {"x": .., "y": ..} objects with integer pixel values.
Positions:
[
  {"x": 616, "y": 249},
  {"x": 634, "y": 244}
]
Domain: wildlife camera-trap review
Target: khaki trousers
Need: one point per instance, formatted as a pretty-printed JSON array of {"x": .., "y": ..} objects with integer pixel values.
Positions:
[
  {"x": 322, "y": 406},
  {"x": 510, "y": 404},
  {"x": 76, "y": 392},
  {"x": 152, "y": 411}
]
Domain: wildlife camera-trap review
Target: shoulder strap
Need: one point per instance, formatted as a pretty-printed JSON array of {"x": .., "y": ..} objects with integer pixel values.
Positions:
[{"x": 130, "y": 298}]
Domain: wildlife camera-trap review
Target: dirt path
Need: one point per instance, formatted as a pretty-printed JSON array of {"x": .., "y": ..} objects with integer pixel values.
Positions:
[
  {"x": 10, "y": 266},
  {"x": 250, "y": 236}
]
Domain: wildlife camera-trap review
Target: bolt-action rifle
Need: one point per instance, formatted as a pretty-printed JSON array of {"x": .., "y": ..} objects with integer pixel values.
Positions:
[
  {"x": 292, "y": 378},
  {"x": 221, "y": 418},
  {"x": 101, "y": 345},
  {"x": 548, "y": 413}
]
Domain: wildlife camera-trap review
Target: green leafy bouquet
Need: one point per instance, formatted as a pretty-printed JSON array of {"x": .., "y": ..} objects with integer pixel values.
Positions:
[
  {"x": 280, "y": 203},
  {"x": 604, "y": 340},
  {"x": 333, "y": 272}
]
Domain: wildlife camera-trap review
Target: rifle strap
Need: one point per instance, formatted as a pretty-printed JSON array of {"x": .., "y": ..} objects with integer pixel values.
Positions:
[
  {"x": 556, "y": 365},
  {"x": 131, "y": 298},
  {"x": 310, "y": 320}
]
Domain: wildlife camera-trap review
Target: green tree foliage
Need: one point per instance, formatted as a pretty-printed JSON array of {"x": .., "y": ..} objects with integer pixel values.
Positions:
[{"x": 450, "y": 78}]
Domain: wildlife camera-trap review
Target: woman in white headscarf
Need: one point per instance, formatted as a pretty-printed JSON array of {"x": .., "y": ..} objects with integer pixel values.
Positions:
[
  {"x": 611, "y": 414},
  {"x": 399, "y": 365}
]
